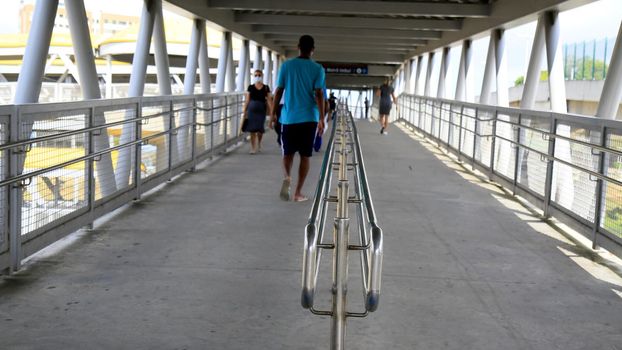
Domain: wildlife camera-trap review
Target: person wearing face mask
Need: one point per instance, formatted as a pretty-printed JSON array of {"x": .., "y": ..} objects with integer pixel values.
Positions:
[{"x": 257, "y": 105}]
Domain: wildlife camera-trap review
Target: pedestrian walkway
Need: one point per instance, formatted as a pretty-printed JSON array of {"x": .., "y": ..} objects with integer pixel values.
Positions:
[{"x": 213, "y": 261}]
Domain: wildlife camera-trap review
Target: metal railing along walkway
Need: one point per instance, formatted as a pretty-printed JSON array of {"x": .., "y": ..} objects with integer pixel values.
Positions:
[
  {"x": 63, "y": 165},
  {"x": 345, "y": 147},
  {"x": 569, "y": 165}
]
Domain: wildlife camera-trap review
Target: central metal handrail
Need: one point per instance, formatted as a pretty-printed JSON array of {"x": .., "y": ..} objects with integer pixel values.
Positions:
[{"x": 351, "y": 169}]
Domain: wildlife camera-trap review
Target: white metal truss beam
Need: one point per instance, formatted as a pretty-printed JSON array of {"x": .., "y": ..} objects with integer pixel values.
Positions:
[
  {"x": 336, "y": 37},
  {"x": 442, "y": 73},
  {"x": 358, "y": 7},
  {"x": 205, "y": 78},
  {"x": 612, "y": 90},
  {"x": 463, "y": 71},
  {"x": 89, "y": 84},
  {"x": 161, "y": 53},
  {"x": 356, "y": 32},
  {"x": 348, "y": 22}
]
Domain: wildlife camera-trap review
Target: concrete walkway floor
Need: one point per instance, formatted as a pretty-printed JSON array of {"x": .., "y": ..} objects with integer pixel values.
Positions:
[{"x": 212, "y": 261}]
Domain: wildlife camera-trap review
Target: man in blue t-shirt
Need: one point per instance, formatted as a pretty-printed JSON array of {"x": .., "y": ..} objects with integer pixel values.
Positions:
[{"x": 300, "y": 82}]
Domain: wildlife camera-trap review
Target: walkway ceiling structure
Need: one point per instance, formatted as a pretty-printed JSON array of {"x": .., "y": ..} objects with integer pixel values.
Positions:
[{"x": 380, "y": 35}]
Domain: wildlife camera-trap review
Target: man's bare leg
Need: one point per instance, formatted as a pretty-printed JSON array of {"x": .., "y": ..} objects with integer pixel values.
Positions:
[
  {"x": 303, "y": 170},
  {"x": 288, "y": 161}
]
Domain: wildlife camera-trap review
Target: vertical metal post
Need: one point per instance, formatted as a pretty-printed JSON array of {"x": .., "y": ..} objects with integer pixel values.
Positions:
[
  {"x": 493, "y": 145},
  {"x": 548, "y": 184},
  {"x": 230, "y": 72},
  {"x": 600, "y": 189},
  {"x": 475, "y": 143},
  {"x": 574, "y": 63},
  {"x": 593, "y": 59},
  {"x": 460, "y": 134},
  {"x": 15, "y": 195},
  {"x": 583, "y": 63},
  {"x": 428, "y": 74},
  {"x": 211, "y": 128},
  {"x": 517, "y": 160},
  {"x": 605, "y": 60},
  {"x": 90, "y": 164},
  {"x": 258, "y": 62},
  {"x": 171, "y": 133},
  {"x": 226, "y": 120},
  {"x": 193, "y": 136},
  {"x": 138, "y": 151}
]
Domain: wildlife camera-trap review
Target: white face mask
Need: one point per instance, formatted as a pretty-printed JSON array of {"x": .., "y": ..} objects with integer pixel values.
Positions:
[{"x": 257, "y": 80}]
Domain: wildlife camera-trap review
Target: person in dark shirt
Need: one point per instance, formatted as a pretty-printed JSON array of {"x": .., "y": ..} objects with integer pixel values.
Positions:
[
  {"x": 366, "y": 108},
  {"x": 257, "y": 105},
  {"x": 385, "y": 92},
  {"x": 332, "y": 104}
]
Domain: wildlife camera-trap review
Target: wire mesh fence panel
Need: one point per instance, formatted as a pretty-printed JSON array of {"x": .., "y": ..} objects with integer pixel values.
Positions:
[
  {"x": 612, "y": 193},
  {"x": 57, "y": 143},
  {"x": 121, "y": 135},
  {"x": 468, "y": 131},
  {"x": 203, "y": 127},
  {"x": 454, "y": 126},
  {"x": 532, "y": 162},
  {"x": 485, "y": 130},
  {"x": 4, "y": 172},
  {"x": 572, "y": 188},
  {"x": 183, "y": 115},
  {"x": 445, "y": 113},
  {"x": 505, "y": 151},
  {"x": 220, "y": 107},
  {"x": 155, "y": 150}
]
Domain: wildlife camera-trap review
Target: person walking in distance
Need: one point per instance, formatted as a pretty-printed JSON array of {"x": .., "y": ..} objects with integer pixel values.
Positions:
[
  {"x": 300, "y": 82},
  {"x": 366, "y": 108},
  {"x": 257, "y": 104},
  {"x": 385, "y": 92}
]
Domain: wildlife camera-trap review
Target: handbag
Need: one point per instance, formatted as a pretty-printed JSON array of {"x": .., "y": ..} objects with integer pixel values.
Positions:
[{"x": 245, "y": 125}]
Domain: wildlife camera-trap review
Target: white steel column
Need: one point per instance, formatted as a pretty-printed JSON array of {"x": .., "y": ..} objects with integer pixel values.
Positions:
[
  {"x": 137, "y": 87},
  {"x": 230, "y": 72},
  {"x": 190, "y": 78},
  {"x": 555, "y": 65},
  {"x": 503, "y": 98},
  {"x": 463, "y": 70},
  {"x": 205, "y": 78},
  {"x": 532, "y": 78},
  {"x": 428, "y": 74},
  {"x": 222, "y": 62},
  {"x": 164, "y": 83},
  {"x": 440, "y": 93},
  {"x": 411, "y": 76},
  {"x": 161, "y": 52},
  {"x": 257, "y": 64},
  {"x": 562, "y": 190},
  {"x": 418, "y": 75},
  {"x": 35, "y": 56},
  {"x": 612, "y": 91},
  {"x": 83, "y": 50},
  {"x": 267, "y": 74},
  {"x": 243, "y": 70},
  {"x": 275, "y": 69}
]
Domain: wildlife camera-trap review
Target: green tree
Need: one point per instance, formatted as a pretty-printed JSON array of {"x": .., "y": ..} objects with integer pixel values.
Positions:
[
  {"x": 544, "y": 76},
  {"x": 584, "y": 72}
]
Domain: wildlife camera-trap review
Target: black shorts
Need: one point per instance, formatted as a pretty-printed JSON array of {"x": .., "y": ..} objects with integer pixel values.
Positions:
[{"x": 298, "y": 138}]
